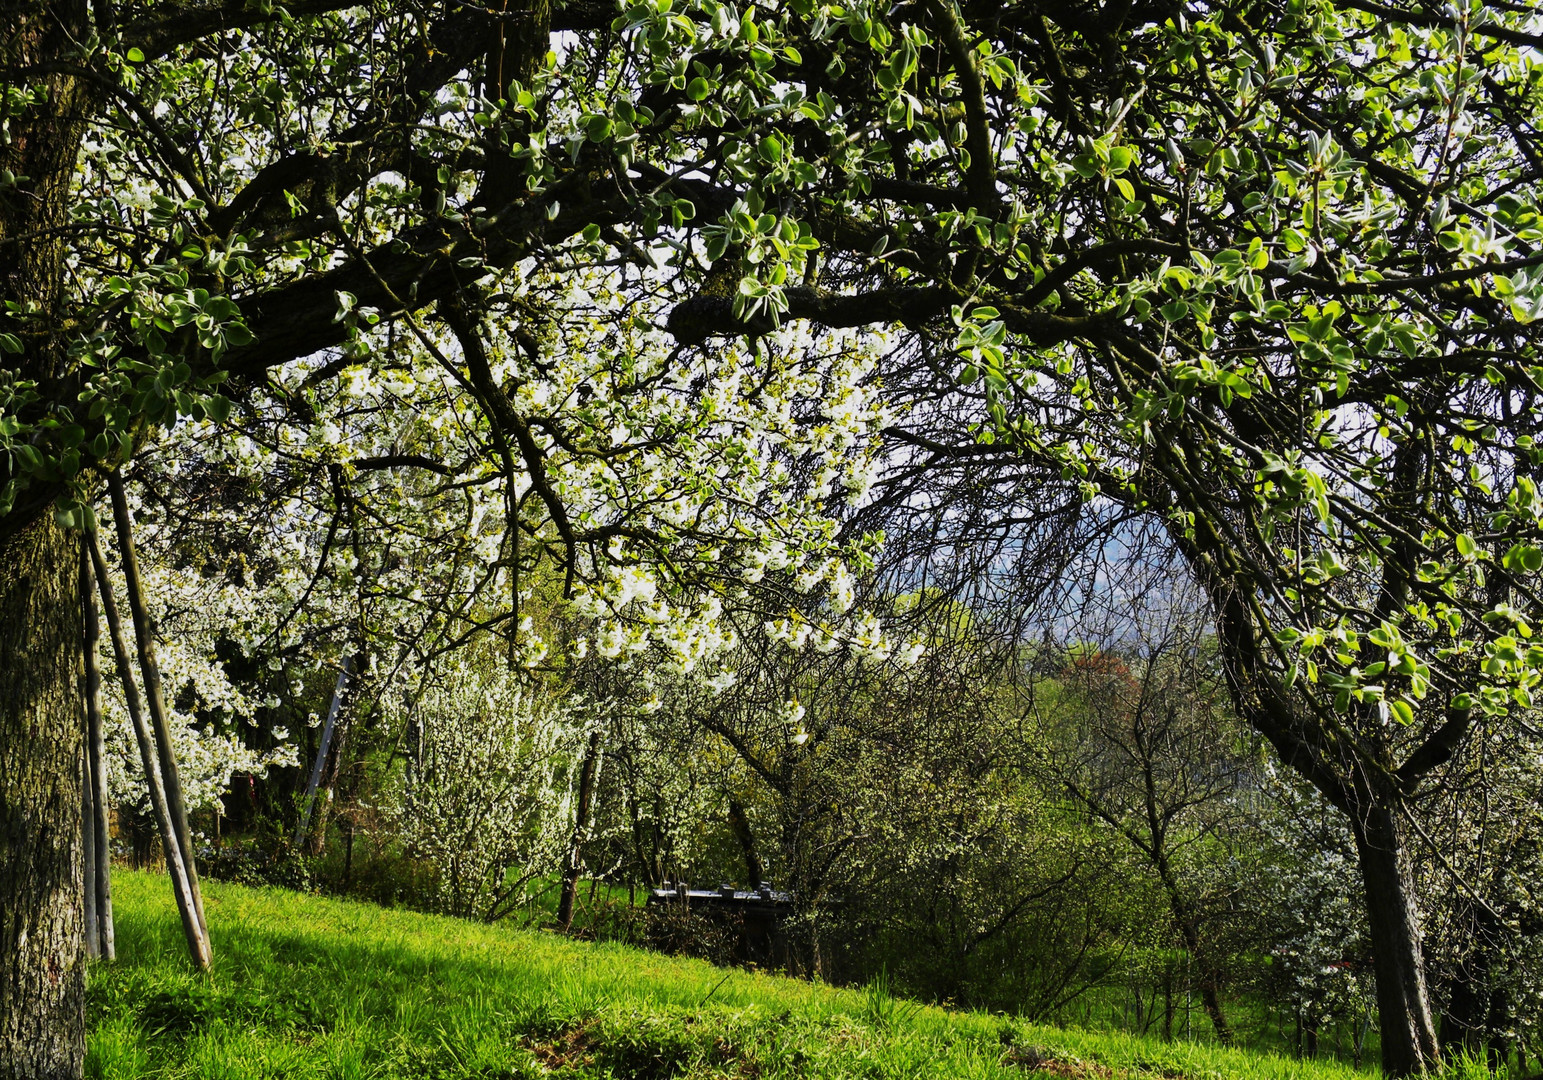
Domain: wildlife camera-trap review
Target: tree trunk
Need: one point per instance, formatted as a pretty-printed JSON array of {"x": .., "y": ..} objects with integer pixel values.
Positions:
[
  {"x": 142, "y": 837},
  {"x": 1409, "y": 1044},
  {"x": 1188, "y": 921},
  {"x": 308, "y": 805},
  {"x": 1475, "y": 1012},
  {"x": 1210, "y": 997},
  {"x": 1372, "y": 809},
  {"x": 42, "y": 974},
  {"x": 42, "y": 967},
  {"x": 575, "y": 861},
  {"x": 1168, "y": 1004},
  {"x": 739, "y": 821}
]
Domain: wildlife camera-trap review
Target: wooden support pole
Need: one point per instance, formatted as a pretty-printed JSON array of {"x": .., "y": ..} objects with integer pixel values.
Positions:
[
  {"x": 96, "y": 762},
  {"x": 151, "y": 674},
  {"x": 88, "y": 853},
  {"x": 192, "y": 928}
]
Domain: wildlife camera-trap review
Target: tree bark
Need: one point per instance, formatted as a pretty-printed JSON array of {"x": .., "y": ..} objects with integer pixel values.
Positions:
[
  {"x": 1409, "y": 1043},
  {"x": 42, "y": 974},
  {"x": 575, "y": 861},
  {"x": 42, "y": 966}
]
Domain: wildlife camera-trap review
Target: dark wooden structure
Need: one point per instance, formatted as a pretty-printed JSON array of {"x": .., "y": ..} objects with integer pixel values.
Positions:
[{"x": 753, "y": 916}]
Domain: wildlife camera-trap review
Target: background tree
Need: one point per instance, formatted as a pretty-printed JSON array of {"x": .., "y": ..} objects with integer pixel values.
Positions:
[{"x": 1140, "y": 738}]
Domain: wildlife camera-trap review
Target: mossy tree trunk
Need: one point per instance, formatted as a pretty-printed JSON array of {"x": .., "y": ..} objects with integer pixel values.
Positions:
[
  {"x": 42, "y": 963},
  {"x": 42, "y": 974}
]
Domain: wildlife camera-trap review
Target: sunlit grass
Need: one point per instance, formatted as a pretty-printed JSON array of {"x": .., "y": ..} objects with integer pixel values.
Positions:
[{"x": 305, "y": 986}]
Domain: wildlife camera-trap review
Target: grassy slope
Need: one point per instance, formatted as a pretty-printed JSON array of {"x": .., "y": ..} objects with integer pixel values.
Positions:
[{"x": 306, "y": 986}]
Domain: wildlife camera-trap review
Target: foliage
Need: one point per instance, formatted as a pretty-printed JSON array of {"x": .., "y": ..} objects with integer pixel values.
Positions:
[
  {"x": 197, "y": 612},
  {"x": 1320, "y": 962}
]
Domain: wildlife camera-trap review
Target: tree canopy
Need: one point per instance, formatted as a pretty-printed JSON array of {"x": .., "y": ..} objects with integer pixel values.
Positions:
[{"x": 1260, "y": 273}]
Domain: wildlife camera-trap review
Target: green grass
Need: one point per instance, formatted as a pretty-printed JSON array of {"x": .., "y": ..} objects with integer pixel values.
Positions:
[{"x": 305, "y": 986}]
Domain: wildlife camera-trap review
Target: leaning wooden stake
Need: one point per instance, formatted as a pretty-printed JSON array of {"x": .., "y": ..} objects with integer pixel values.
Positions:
[
  {"x": 88, "y": 853},
  {"x": 198, "y": 942},
  {"x": 96, "y": 769},
  {"x": 150, "y": 672}
]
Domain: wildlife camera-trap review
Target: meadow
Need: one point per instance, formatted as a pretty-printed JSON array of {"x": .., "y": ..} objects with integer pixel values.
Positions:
[{"x": 307, "y": 986}]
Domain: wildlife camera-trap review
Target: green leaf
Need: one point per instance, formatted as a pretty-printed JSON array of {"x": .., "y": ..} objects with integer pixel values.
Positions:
[{"x": 1523, "y": 557}]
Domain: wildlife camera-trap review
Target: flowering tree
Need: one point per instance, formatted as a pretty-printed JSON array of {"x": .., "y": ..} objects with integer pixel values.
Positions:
[
  {"x": 1319, "y": 955},
  {"x": 194, "y": 612},
  {"x": 486, "y": 801}
]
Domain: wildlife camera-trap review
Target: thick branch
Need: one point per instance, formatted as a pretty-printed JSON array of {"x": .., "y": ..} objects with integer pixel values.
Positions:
[
  {"x": 1436, "y": 750},
  {"x": 410, "y": 272},
  {"x": 180, "y": 24},
  {"x": 981, "y": 175},
  {"x": 1409, "y": 18}
]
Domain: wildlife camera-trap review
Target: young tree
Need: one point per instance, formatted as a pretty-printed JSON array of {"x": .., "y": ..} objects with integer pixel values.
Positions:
[{"x": 490, "y": 801}]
